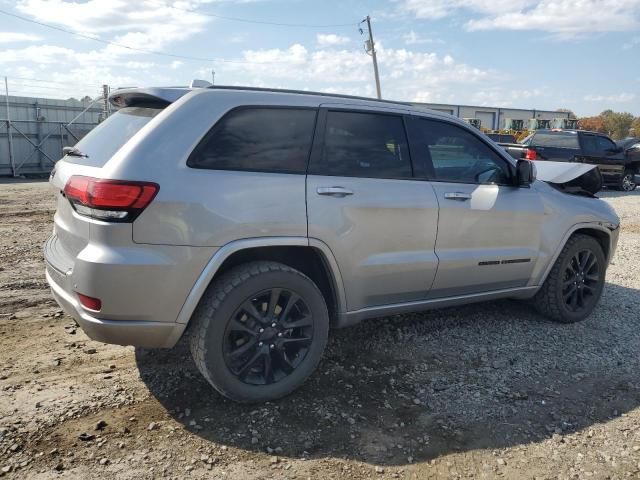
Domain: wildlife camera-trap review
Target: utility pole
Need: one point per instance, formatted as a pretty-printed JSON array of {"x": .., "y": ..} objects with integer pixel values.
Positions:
[
  {"x": 370, "y": 48},
  {"x": 105, "y": 101},
  {"x": 213, "y": 77},
  {"x": 9, "y": 133}
]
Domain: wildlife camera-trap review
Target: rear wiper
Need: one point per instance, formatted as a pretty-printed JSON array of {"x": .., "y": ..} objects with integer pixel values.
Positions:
[{"x": 74, "y": 152}]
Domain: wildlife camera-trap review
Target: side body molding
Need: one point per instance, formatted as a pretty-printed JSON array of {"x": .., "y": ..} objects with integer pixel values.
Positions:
[{"x": 230, "y": 248}]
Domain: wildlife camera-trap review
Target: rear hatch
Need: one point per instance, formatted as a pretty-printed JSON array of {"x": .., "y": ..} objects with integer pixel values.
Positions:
[{"x": 71, "y": 230}]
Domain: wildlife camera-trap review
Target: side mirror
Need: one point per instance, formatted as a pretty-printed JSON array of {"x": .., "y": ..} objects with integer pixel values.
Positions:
[{"x": 525, "y": 173}]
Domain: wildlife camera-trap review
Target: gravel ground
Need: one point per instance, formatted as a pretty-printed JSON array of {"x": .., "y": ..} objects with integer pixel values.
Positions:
[{"x": 476, "y": 392}]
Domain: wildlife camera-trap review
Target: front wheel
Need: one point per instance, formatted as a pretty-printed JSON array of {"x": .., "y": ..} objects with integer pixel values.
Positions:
[
  {"x": 575, "y": 283},
  {"x": 259, "y": 331},
  {"x": 627, "y": 181}
]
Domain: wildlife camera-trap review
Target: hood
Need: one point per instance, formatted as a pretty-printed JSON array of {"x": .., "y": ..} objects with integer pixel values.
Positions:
[{"x": 575, "y": 178}]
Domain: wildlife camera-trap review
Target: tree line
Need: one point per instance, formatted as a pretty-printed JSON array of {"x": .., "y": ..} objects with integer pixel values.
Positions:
[{"x": 617, "y": 125}]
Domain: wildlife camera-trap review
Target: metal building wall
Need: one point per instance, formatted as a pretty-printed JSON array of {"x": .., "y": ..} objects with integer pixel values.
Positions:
[
  {"x": 40, "y": 128},
  {"x": 497, "y": 114}
]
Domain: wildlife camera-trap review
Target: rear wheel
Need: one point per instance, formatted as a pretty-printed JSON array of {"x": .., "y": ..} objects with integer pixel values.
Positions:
[
  {"x": 259, "y": 331},
  {"x": 575, "y": 283}
]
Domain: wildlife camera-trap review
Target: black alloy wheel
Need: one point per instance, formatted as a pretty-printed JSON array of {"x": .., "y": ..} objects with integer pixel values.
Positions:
[
  {"x": 582, "y": 278},
  {"x": 268, "y": 336}
]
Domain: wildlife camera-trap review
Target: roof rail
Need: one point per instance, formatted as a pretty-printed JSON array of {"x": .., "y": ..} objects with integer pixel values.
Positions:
[{"x": 305, "y": 92}]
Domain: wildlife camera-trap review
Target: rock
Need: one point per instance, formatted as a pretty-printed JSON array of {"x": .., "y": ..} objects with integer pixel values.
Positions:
[
  {"x": 85, "y": 437},
  {"x": 274, "y": 460},
  {"x": 501, "y": 462},
  {"x": 416, "y": 401},
  {"x": 153, "y": 426},
  {"x": 187, "y": 412},
  {"x": 379, "y": 470},
  {"x": 6, "y": 469},
  {"x": 188, "y": 468},
  {"x": 90, "y": 351},
  {"x": 14, "y": 448},
  {"x": 104, "y": 461},
  {"x": 254, "y": 440},
  {"x": 101, "y": 425},
  {"x": 59, "y": 467}
]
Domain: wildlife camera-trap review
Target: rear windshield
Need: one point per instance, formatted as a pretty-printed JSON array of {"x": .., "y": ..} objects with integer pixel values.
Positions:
[
  {"x": 101, "y": 143},
  {"x": 555, "y": 139}
]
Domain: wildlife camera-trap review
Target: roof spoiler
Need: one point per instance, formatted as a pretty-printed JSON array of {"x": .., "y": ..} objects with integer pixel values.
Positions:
[{"x": 146, "y": 97}]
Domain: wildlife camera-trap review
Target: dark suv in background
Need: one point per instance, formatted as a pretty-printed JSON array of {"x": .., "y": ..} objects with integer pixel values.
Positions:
[{"x": 618, "y": 164}]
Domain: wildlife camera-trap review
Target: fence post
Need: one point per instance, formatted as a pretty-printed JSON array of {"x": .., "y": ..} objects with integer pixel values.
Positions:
[{"x": 9, "y": 136}]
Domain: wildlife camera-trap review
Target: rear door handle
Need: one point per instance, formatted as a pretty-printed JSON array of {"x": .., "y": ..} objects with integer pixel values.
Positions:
[
  {"x": 457, "y": 196},
  {"x": 334, "y": 191}
]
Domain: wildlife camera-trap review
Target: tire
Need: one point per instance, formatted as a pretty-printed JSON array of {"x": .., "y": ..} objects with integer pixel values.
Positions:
[
  {"x": 552, "y": 299},
  {"x": 250, "y": 347},
  {"x": 627, "y": 183}
]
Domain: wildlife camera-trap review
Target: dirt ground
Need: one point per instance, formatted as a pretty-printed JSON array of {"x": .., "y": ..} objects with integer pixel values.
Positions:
[{"x": 484, "y": 391}]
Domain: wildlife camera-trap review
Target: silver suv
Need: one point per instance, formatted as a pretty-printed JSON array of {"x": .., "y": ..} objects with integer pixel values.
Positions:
[{"x": 257, "y": 219}]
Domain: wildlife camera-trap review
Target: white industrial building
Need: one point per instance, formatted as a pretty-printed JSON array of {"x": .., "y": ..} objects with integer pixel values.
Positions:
[{"x": 495, "y": 118}]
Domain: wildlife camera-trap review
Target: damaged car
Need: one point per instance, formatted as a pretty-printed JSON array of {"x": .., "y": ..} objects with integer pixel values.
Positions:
[{"x": 254, "y": 221}]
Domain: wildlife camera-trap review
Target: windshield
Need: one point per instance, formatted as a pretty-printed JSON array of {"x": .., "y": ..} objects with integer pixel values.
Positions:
[{"x": 101, "y": 143}]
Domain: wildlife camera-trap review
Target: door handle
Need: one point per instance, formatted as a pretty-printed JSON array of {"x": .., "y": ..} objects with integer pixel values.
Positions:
[
  {"x": 334, "y": 191},
  {"x": 457, "y": 196}
]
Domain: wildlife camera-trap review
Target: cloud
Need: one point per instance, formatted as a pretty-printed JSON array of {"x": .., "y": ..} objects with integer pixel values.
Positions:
[
  {"x": 405, "y": 74},
  {"x": 17, "y": 37},
  {"x": 412, "y": 38},
  {"x": 331, "y": 40},
  {"x": 616, "y": 98},
  {"x": 566, "y": 18},
  {"x": 635, "y": 41},
  {"x": 148, "y": 24}
]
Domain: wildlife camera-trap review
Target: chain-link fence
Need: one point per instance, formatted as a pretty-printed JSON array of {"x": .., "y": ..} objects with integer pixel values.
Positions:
[{"x": 34, "y": 130}]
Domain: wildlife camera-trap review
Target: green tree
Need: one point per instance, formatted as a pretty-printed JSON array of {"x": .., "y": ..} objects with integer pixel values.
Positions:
[
  {"x": 635, "y": 128},
  {"x": 617, "y": 124}
]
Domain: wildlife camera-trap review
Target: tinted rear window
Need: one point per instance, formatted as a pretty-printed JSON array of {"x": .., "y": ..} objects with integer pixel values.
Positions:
[
  {"x": 101, "y": 143},
  {"x": 258, "y": 139},
  {"x": 555, "y": 139}
]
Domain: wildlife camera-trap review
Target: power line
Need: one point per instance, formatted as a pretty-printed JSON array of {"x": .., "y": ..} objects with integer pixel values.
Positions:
[
  {"x": 136, "y": 49},
  {"x": 107, "y": 42},
  {"x": 39, "y": 80},
  {"x": 261, "y": 22}
]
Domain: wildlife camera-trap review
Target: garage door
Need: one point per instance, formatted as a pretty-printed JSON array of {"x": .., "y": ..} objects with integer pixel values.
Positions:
[{"x": 487, "y": 119}]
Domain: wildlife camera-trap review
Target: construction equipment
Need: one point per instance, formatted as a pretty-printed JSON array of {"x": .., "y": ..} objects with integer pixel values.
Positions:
[
  {"x": 538, "y": 124},
  {"x": 474, "y": 122},
  {"x": 565, "y": 123}
]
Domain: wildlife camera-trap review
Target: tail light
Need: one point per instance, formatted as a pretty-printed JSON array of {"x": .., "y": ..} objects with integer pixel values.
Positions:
[
  {"x": 530, "y": 154},
  {"x": 109, "y": 200}
]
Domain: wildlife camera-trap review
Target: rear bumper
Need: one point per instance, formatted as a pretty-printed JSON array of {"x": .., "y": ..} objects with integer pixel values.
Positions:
[
  {"x": 142, "y": 288},
  {"x": 120, "y": 332}
]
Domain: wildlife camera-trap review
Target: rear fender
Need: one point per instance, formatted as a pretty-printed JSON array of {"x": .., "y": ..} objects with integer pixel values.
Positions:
[{"x": 229, "y": 249}]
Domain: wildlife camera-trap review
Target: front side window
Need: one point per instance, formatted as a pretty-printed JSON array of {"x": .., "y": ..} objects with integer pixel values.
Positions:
[
  {"x": 364, "y": 145},
  {"x": 605, "y": 145},
  {"x": 258, "y": 139},
  {"x": 590, "y": 144},
  {"x": 456, "y": 154}
]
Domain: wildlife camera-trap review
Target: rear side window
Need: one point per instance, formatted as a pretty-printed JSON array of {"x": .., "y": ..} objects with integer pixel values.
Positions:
[
  {"x": 555, "y": 139},
  {"x": 366, "y": 145},
  {"x": 258, "y": 139},
  {"x": 101, "y": 143}
]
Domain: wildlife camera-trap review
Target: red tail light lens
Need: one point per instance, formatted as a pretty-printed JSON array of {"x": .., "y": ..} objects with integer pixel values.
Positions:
[
  {"x": 90, "y": 303},
  {"x": 111, "y": 200},
  {"x": 531, "y": 154}
]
